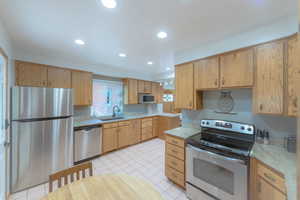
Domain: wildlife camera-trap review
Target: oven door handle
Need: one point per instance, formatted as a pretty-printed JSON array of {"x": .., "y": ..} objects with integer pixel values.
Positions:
[{"x": 217, "y": 156}]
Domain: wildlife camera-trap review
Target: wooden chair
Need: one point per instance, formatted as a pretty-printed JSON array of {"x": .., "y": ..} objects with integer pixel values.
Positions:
[{"x": 65, "y": 174}]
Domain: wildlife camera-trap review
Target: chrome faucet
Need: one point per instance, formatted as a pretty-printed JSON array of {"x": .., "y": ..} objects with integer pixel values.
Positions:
[{"x": 114, "y": 110}]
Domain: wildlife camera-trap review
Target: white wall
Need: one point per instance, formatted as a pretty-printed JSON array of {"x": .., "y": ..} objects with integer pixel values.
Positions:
[
  {"x": 281, "y": 28},
  {"x": 5, "y": 45}
]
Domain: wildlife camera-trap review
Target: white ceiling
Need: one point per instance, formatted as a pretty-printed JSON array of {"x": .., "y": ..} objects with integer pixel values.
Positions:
[{"x": 49, "y": 28}]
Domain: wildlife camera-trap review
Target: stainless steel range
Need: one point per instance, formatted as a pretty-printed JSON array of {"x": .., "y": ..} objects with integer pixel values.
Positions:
[{"x": 218, "y": 161}]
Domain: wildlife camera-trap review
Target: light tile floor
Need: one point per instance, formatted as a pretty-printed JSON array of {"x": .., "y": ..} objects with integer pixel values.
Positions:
[{"x": 145, "y": 160}]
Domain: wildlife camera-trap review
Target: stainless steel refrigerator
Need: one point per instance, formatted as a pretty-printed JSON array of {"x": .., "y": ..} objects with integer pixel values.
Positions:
[{"x": 42, "y": 134}]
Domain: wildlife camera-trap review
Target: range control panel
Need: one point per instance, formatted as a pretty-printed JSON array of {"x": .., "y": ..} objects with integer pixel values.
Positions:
[{"x": 228, "y": 126}]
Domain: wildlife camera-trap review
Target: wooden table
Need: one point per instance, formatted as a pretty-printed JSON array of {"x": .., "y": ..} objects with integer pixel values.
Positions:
[{"x": 106, "y": 187}]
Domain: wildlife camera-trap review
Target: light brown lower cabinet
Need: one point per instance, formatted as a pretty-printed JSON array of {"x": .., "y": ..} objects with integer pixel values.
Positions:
[
  {"x": 110, "y": 139},
  {"x": 147, "y": 129},
  {"x": 124, "y": 136},
  {"x": 155, "y": 126},
  {"x": 135, "y": 131},
  {"x": 175, "y": 159},
  {"x": 266, "y": 183},
  {"x": 167, "y": 123}
]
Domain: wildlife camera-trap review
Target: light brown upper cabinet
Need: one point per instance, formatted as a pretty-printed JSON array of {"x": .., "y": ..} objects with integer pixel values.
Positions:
[
  {"x": 293, "y": 74},
  {"x": 144, "y": 86},
  {"x": 206, "y": 74},
  {"x": 130, "y": 91},
  {"x": 268, "y": 90},
  {"x": 237, "y": 69},
  {"x": 82, "y": 88},
  {"x": 184, "y": 86},
  {"x": 141, "y": 86},
  {"x": 30, "y": 74},
  {"x": 147, "y": 86},
  {"x": 157, "y": 91},
  {"x": 59, "y": 77}
]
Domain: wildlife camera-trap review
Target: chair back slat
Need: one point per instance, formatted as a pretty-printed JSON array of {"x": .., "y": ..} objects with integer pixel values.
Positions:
[{"x": 65, "y": 174}]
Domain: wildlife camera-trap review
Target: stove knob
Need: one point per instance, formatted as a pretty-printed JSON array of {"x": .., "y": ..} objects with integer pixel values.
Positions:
[
  {"x": 207, "y": 123},
  {"x": 249, "y": 129},
  {"x": 243, "y": 127}
]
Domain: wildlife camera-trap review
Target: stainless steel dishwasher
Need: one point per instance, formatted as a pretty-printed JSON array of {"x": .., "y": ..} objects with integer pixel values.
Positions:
[{"x": 87, "y": 142}]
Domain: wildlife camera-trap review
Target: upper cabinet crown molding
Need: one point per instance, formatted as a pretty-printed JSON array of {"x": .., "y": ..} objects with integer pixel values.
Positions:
[{"x": 237, "y": 69}]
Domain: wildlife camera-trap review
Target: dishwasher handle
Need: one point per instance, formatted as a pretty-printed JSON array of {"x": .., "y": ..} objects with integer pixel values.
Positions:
[{"x": 87, "y": 128}]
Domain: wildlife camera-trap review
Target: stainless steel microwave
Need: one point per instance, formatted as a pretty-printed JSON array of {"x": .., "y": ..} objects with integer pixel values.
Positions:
[{"x": 146, "y": 98}]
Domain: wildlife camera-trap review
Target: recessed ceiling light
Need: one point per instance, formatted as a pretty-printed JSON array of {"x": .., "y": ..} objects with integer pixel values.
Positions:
[
  {"x": 150, "y": 63},
  {"x": 79, "y": 42},
  {"x": 162, "y": 35},
  {"x": 109, "y": 3},
  {"x": 123, "y": 55}
]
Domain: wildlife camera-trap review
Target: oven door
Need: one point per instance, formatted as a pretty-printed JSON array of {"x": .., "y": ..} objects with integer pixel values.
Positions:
[{"x": 222, "y": 177}]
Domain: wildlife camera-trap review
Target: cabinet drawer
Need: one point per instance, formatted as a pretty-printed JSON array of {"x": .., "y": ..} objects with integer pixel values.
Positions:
[
  {"x": 272, "y": 177},
  {"x": 175, "y": 163},
  {"x": 175, "y": 151},
  {"x": 175, "y": 141},
  {"x": 146, "y": 124},
  {"x": 124, "y": 123},
  {"x": 110, "y": 125},
  {"x": 146, "y": 120},
  {"x": 175, "y": 176}
]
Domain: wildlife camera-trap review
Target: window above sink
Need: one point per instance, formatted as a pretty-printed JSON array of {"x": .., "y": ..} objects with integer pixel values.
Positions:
[{"x": 106, "y": 94}]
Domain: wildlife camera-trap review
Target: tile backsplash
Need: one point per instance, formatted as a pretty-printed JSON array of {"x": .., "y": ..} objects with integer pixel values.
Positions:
[{"x": 278, "y": 126}]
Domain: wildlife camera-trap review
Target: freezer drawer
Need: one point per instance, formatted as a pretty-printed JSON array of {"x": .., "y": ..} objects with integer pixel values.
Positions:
[
  {"x": 40, "y": 148},
  {"x": 88, "y": 142}
]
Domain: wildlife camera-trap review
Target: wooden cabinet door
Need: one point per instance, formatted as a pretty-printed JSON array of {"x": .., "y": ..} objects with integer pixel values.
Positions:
[
  {"x": 237, "y": 69},
  {"x": 268, "y": 90},
  {"x": 123, "y": 136},
  {"x": 184, "y": 86},
  {"x": 59, "y": 78},
  {"x": 82, "y": 88},
  {"x": 160, "y": 93},
  {"x": 207, "y": 73},
  {"x": 155, "y": 126},
  {"x": 141, "y": 86},
  {"x": 135, "y": 131},
  {"x": 293, "y": 74},
  {"x": 132, "y": 92},
  {"x": 266, "y": 191},
  {"x": 110, "y": 139},
  {"x": 155, "y": 91},
  {"x": 30, "y": 74},
  {"x": 148, "y": 87}
]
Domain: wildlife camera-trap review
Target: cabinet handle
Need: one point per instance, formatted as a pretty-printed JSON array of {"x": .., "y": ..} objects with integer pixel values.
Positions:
[
  {"x": 44, "y": 83},
  {"x": 174, "y": 142},
  {"x": 223, "y": 81},
  {"x": 295, "y": 102},
  {"x": 216, "y": 82},
  {"x": 174, "y": 151},
  {"x": 259, "y": 186},
  {"x": 261, "y": 107},
  {"x": 270, "y": 177}
]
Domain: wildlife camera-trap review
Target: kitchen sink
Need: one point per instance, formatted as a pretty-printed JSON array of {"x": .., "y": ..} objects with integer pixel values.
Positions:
[{"x": 111, "y": 118}]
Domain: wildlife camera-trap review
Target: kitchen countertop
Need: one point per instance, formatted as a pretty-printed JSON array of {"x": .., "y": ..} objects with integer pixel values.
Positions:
[
  {"x": 279, "y": 159},
  {"x": 183, "y": 132},
  {"x": 88, "y": 121}
]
